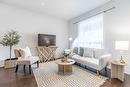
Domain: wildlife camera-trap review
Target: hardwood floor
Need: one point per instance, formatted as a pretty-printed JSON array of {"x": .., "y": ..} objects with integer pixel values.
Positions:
[
  {"x": 117, "y": 83},
  {"x": 8, "y": 78}
]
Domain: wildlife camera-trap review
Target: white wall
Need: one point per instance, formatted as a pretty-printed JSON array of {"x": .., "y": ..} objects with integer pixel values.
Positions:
[
  {"x": 29, "y": 25},
  {"x": 116, "y": 26}
]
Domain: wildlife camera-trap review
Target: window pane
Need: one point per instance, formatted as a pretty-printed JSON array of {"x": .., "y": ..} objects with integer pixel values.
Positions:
[{"x": 90, "y": 33}]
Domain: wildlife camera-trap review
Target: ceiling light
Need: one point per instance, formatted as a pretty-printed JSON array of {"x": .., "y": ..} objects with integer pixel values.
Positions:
[{"x": 42, "y": 3}]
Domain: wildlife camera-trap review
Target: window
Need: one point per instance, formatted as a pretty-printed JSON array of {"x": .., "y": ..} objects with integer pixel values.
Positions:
[{"x": 90, "y": 33}]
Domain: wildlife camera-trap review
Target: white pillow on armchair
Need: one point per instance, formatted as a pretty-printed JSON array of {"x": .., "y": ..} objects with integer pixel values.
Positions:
[{"x": 25, "y": 52}]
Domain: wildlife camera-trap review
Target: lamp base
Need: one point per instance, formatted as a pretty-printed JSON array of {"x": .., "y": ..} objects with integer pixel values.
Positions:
[{"x": 121, "y": 60}]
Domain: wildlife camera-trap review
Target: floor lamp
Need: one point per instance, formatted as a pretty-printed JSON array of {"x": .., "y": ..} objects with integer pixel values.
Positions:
[{"x": 70, "y": 39}]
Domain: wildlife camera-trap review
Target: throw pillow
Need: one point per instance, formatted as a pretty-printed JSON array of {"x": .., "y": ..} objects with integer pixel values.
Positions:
[
  {"x": 88, "y": 52},
  {"x": 81, "y": 51},
  {"x": 25, "y": 52},
  {"x": 75, "y": 50}
]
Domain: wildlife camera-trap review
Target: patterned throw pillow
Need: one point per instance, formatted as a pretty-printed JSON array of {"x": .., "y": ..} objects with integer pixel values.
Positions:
[
  {"x": 81, "y": 51},
  {"x": 88, "y": 52},
  {"x": 75, "y": 50}
]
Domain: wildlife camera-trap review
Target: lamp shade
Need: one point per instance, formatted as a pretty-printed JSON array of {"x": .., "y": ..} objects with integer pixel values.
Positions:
[
  {"x": 121, "y": 45},
  {"x": 70, "y": 39}
]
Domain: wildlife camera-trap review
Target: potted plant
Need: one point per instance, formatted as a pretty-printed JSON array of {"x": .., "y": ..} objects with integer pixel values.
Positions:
[
  {"x": 10, "y": 39},
  {"x": 66, "y": 54}
]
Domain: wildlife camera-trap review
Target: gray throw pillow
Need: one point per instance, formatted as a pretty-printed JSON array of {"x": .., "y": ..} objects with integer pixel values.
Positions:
[
  {"x": 81, "y": 52},
  {"x": 75, "y": 50},
  {"x": 88, "y": 52}
]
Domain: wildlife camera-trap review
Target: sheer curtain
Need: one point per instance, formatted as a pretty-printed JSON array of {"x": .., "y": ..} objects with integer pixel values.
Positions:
[{"x": 90, "y": 33}]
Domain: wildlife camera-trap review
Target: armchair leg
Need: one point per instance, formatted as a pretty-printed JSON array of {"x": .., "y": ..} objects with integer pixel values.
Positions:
[
  {"x": 97, "y": 72},
  {"x": 106, "y": 70},
  {"x": 16, "y": 68},
  {"x": 37, "y": 63},
  {"x": 24, "y": 68},
  {"x": 30, "y": 69}
]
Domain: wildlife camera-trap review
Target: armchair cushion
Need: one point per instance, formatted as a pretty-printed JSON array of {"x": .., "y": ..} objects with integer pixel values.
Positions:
[
  {"x": 23, "y": 61},
  {"x": 27, "y": 60}
]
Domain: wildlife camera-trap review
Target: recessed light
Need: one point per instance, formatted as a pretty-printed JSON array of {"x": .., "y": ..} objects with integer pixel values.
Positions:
[{"x": 42, "y": 3}]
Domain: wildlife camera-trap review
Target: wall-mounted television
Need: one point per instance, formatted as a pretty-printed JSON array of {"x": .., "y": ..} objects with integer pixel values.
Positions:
[{"x": 46, "y": 40}]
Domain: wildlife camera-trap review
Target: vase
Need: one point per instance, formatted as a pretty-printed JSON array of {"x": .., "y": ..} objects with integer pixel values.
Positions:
[{"x": 66, "y": 58}]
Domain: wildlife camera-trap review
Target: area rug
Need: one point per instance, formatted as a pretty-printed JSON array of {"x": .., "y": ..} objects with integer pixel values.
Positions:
[{"x": 47, "y": 76}]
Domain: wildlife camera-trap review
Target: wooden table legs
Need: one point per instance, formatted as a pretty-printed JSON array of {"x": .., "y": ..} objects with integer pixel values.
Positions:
[{"x": 65, "y": 69}]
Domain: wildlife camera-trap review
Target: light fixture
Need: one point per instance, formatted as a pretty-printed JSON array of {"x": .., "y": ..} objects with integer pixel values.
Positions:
[
  {"x": 122, "y": 46},
  {"x": 70, "y": 39},
  {"x": 42, "y": 3}
]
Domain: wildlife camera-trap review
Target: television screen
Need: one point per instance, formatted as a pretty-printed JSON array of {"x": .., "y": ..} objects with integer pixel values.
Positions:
[{"x": 46, "y": 40}]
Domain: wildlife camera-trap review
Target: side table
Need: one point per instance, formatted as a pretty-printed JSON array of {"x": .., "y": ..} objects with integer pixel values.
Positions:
[
  {"x": 117, "y": 70},
  {"x": 65, "y": 67}
]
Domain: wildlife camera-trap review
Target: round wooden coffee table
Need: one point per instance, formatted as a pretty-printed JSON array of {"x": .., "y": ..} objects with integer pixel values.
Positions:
[{"x": 65, "y": 67}]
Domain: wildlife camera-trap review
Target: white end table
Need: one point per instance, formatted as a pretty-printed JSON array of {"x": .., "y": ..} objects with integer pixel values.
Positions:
[{"x": 117, "y": 70}]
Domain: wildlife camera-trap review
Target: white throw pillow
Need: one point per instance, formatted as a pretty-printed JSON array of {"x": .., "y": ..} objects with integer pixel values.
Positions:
[
  {"x": 25, "y": 52},
  {"x": 88, "y": 52}
]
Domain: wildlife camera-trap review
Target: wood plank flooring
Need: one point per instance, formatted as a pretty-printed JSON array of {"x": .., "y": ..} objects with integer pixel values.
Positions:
[
  {"x": 117, "y": 83},
  {"x": 8, "y": 78}
]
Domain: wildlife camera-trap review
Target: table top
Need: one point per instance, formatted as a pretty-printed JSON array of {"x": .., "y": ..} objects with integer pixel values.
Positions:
[
  {"x": 68, "y": 62},
  {"x": 118, "y": 63}
]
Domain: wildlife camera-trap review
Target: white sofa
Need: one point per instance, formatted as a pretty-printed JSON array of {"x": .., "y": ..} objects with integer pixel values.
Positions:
[{"x": 100, "y": 58}]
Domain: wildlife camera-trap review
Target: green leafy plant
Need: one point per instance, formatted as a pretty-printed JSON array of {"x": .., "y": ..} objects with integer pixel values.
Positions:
[
  {"x": 66, "y": 53},
  {"x": 10, "y": 39}
]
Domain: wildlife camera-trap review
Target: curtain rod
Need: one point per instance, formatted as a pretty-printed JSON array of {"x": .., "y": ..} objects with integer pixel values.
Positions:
[{"x": 98, "y": 14}]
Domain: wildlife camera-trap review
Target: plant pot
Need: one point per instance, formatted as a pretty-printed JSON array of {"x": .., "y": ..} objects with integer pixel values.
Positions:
[
  {"x": 66, "y": 58},
  {"x": 10, "y": 63}
]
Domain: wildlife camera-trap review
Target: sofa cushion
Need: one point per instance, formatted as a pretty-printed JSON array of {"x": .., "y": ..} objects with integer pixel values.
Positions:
[
  {"x": 88, "y": 52},
  {"x": 90, "y": 62},
  {"x": 76, "y": 58}
]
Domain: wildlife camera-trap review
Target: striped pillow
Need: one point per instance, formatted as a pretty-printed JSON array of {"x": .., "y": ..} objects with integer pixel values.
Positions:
[{"x": 81, "y": 51}]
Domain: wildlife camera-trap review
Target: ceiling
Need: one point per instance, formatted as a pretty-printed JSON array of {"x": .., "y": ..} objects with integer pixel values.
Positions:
[{"x": 65, "y": 9}]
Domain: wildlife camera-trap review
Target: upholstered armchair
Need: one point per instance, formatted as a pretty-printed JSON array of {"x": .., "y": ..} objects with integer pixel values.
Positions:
[{"x": 25, "y": 61}]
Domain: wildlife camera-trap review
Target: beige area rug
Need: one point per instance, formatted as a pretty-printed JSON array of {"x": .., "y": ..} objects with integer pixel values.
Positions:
[{"x": 47, "y": 76}]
